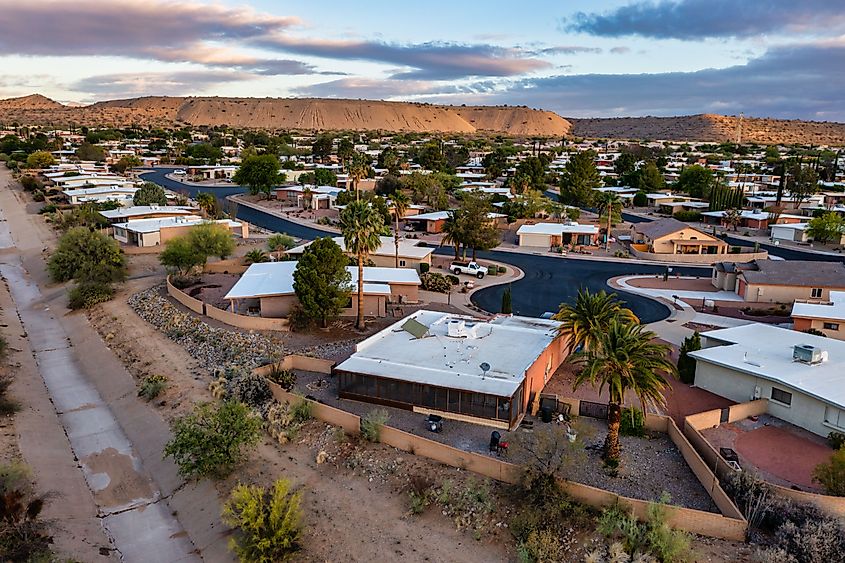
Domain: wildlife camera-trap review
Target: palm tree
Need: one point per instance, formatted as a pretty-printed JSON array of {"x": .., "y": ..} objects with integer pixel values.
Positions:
[
  {"x": 358, "y": 170},
  {"x": 400, "y": 206},
  {"x": 207, "y": 203},
  {"x": 589, "y": 317},
  {"x": 256, "y": 256},
  {"x": 625, "y": 358},
  {"x": 307, "y": 197},
  {"x": 453, "y": 233},
  {"x": 361, "y": 226},
  {"x": 608, "y": 202}
]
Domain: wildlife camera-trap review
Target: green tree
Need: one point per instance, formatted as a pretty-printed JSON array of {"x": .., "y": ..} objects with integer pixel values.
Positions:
[
  {"x": 87, "y": 151},
  {"x": 590, "y": 316},
  {"x": 648, "y": 178},
  {"x": 361, "y": 226},
  {"x": 180, "y": 256},
  {"x": 507, "y": 305},
  {"x": 358, "y": 170},
  {"x": 579, "y": 179},
  {"x": 533, "y": 169},
  {"x": 324, "y": 177},
  {"x": 400, "y": 206},
  {"x": 205, "y": 152},
  {"x": 732, "y": 218},
  {"x": 479, "y": 232},
  {"x": 259, "y": 173},
  {"x": 609, "y": 206},
  {"x": 268, "y": 522},
  {"x": 40, "y": 159},
  {"x": 345, "y": 150},
  {"x": 621, "y": 359},
  {"x": 84, "y": 255},
  {"x": 321, "y": 281},
  {"x": 389, "y": 160},
  {"x": 212, "y": 439},
  {"x": 125, "y": 163},
  {"x": 150, "y": 194},
  {"x": 453, "y": 232},
  {"x": 256, "y": 256},
  {"x": 212, "y": 239},
  {"x": 828, "y": 227},
  {"x": 697, "y": 181},
  {"x": 280, "y": 242},
  {"x": 209, "y": 205},
  {"x": 322, "y": 147},
  {"x": 802, "y": 182},
  {"x": 625, "y": 166},
  {"x": 686, "y": 363}
]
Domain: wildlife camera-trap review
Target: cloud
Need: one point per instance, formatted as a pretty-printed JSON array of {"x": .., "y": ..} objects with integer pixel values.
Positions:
[
  {"x": 569, "y": 50},
  {"x": 190, "y": 31},
  {"x": 371, "y": 88},
  {"x": 428, "y": 61},
  {"x": 620, "y": 50},
  {"x": 132, "y": 85},
  {"x": 804, "y": 81},
  {"x": 698, "y": 19}
]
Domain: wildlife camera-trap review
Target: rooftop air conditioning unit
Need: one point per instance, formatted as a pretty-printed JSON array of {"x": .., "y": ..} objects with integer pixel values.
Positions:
[
  {"x": 808, "y": 354},
  {"x": 456, "y": 328}
]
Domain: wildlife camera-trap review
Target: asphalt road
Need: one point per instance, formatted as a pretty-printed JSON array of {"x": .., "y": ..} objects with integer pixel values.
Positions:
[
  {"x": 548, "y": 281},
  {"x": 157, "y": 175}
]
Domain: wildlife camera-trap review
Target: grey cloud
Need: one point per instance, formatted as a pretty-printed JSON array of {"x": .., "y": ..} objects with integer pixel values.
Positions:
[
  {"x": 130, "y": 85},
  {"x": 429, "y": 61},
  {"x": 569, "y": 50},
  {"x": 620, "y": 50},
  {"x": 367, "y": 88},
  {"x": 805, "y": 81},
  {"x": 697, "y": 19}
]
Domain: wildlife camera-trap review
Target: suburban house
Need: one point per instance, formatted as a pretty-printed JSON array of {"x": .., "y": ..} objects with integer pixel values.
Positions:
[
  {"x": 266, "y": 289},
  {"x": 670, "y": 236},
  {"x": 828, "y": 317},
  {"x": 785, "y": 281},
  {"x": 124, "y": 214},
  {"x": 155, "y": 232},
  {"x": 308, "y": 197},
  {"x": 411, "y": 253},
  {"x": 432, "y": 223},
  {"x": 212, "y": 171},
  {"x": 122, "y": 194},
  {"x": 455, "y": 366},
  {"x": 548, "y": 235},
  {"x": 797, "y": 232},
  {"x": 90, "y": 180},
  {"x": 672, "y": 207},
  {"x": 752, "y": 219},
  {"x": 801, "y": 375},
  {"x": 657, "y": 199}
]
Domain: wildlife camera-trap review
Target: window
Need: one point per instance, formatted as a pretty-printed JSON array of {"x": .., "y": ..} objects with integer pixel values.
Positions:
[
  {"x": 781, "y": 396},
  {"x": 816, "y": 293},
  {"x": 401, "y": 263},
  {"x": 834, "y": 417},
  {"x": 830, "y": 326}
]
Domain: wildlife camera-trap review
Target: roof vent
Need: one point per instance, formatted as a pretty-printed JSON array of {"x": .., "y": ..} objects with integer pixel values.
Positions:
[
  {"x": 456, "y": 328},
  {"x": 808, "y": 354}
]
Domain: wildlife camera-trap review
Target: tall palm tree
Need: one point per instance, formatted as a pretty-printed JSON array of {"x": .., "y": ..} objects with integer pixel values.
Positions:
[
  {"x": 453, "y": 232},
  {"x": 608, "y": 202},
  {"x": 589, "y": 317},
  {"x": 361, "y": 226},
  {"x": 358, "y": 170},
  {"x": 400, "y": 206},
  {"x": 307, "y": 197},
  {"x": 625, "y": 358}
]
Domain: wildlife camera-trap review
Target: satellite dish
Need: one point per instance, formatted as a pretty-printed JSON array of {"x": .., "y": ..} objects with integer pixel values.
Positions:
[{"x": 485, "y": 367}]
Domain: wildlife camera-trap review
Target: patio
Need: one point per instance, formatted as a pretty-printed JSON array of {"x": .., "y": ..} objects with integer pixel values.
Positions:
[{"x": 771, "y": 447}]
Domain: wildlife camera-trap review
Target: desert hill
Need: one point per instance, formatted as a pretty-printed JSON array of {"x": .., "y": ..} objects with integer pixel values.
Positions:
[
  {"x": 313, "y": 114},
  {"x": 711, "y": 128},
  {"x": 307, "y": 114}
]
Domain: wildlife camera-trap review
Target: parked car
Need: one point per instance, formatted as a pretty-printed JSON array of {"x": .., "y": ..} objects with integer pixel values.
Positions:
[
  {"x": 471, "y": 268},
  {"x": 179, "y": 172}
]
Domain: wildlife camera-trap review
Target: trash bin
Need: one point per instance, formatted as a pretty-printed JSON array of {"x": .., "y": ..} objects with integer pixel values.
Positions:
[{"x": 546, "y": 414}]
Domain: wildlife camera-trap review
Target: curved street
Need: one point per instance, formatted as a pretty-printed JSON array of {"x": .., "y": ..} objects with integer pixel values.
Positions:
[{"x": 549, "y": 280}]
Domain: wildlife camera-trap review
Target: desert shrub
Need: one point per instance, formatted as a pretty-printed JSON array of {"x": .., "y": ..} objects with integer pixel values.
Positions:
[
  {"x": 371, "y": 424},
  {"x": 49, "y": 208},
  {"x": 267, "y": 522},
  {"x": 453, "y": 279},
  {"x": 7, "y": 405},
  {"x": 836, "y": 440},
  {"x": 540, "y": 546},
  {"x": 31, "y": 183},
  {"x": 280, "y": 242},
  {"x": 4, "y": 347},
  {"x": 86, "y": 295},
  {"x": 434, "y": 281},
  {"x": 810, "y": 542},
  {"x": 256, "y": 256},
  {"x": 424, "y": 267},
  {"x": 298, "y": 318},
  {"x": 640, "y": 199},
  {"x": 285, "y": 419},
  {"x": 420, "y": 493},
  {"x": 632, "y": 422},
  {"x": 735, "y": 250},
  {"x": 286, "y": 378},
  {"x": 654, "y": 537},
  {"x": 151, "y": 386},
  {"x": 24, "y": 536},
  {"x": 831, "y": 475},
  {"x": 250, "y": 389},
  {"x": 183, "y": 282},
  {"x": 38, "y": 195},
  {"x": 751, "y": 495},
  {"x": 468, "y": 504},
  {"x": 211, "y": 440}
]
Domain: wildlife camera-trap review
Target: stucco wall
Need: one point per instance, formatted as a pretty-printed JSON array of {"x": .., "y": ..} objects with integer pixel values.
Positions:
[
  {"x": 818, "y": 324},
  {"x": 194, "y": 305},
  {"x": 759, "y": 293},
  {"x": 698, "y": 258},
  {"x": 663, "y": 245},
  {"x": 277, "y": 306},
  {"x": 245, "y": 322},
  {"x": 539, "y": 373}
]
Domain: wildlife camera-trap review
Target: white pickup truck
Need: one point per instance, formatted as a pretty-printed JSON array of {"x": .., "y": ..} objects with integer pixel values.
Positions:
[{"x": 471, "y": 268}]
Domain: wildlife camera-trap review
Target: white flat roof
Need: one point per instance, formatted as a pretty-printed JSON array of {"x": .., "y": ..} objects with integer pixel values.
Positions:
[
  {"x": 509, "y": 344},
  {"x": 407, "y": 248},
  {"x": 99, "y": 190},
  {"x": 557, "y": 229},
  {"x": 141, "y": 210},
  {"x": 833, "y": 310},
  {"x": 158, "y": 223},
  {"x": 765, "y": 351},
  {"x": 266, "y": 279}
]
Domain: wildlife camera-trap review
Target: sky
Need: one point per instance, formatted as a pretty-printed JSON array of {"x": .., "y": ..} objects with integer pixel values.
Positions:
[{"x": 579, "y": 58}]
